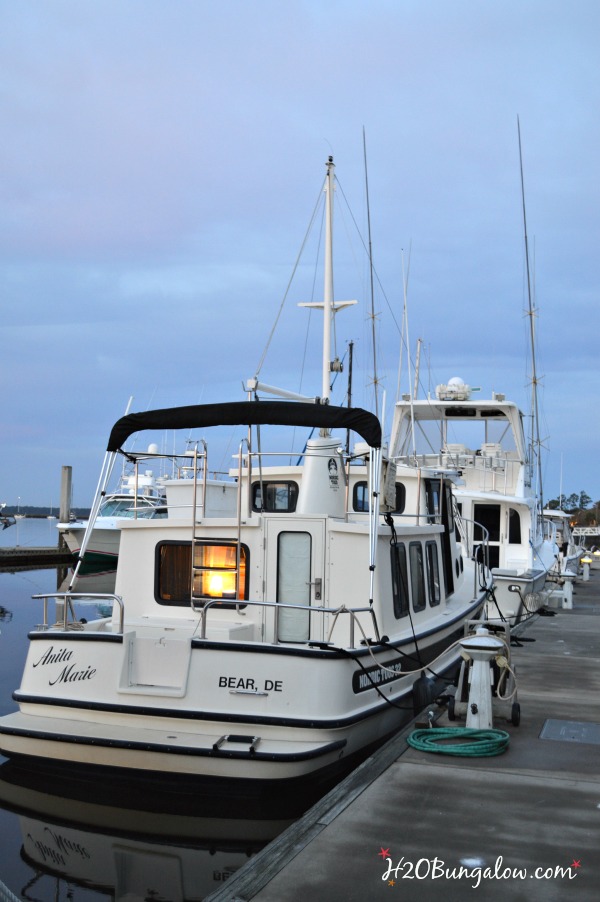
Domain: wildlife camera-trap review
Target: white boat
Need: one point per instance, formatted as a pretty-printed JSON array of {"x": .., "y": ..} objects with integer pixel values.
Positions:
[
  {"x": 483, "y": 442},
  {"x": 569, "y": 552},
  {"x": 6, "y": 519},
  {"x": 282, "y": 641},
  {"x": 140, "y": 495}
]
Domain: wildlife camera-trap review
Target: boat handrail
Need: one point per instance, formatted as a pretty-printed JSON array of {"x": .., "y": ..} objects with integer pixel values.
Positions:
[
  {"x": 467, "y": 535},
  {"x": 313, "y": 609},
  {"x": 68, "y": 597}
]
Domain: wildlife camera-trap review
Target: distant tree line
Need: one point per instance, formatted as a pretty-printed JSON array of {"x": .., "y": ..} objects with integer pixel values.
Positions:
[
  {"x": 584, "y": 511},
  {"x": 33, "y": 511}
]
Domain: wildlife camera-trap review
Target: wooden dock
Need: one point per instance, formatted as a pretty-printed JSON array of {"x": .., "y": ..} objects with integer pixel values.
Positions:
[
  {"x": 524, "y": 820},
  {"x": 24, "y": 556}
]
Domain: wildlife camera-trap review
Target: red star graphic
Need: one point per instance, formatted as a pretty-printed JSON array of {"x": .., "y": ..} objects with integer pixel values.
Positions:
[
  {"x": 384, "y": 852},
  {"x": 576, "y": 864}
]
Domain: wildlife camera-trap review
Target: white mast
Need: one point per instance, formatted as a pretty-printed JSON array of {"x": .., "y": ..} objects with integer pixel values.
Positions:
[
  {"x": 329, "y": 306},
  {"x": 328, "y": 281}
]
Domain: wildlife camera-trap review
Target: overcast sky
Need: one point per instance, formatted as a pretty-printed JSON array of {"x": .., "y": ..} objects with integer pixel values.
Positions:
[{"x": 159, "y": 165}]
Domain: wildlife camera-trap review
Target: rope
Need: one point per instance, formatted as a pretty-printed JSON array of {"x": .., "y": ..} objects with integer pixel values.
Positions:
[{"x": 479, "y": 744}]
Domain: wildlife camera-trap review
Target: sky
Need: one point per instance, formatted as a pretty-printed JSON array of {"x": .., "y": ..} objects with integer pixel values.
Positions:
[{"x": 160, "y": 163}]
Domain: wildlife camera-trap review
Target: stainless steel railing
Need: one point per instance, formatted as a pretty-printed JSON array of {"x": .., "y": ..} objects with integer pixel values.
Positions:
[
  {"x": 278, "y": 606},
  {"x": 66, "y": 598}
]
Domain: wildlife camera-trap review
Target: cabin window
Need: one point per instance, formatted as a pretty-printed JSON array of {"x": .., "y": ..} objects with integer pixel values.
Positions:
[
  {"x": 433, "y": 573},
  {"x": 488, "y": 516},
  {"x": 417, "y": 576},
  {"x": 433, "y": 500},
  {"x": 457, "y": 534},
  {"x": 360, "y": 498},
  {"x": 215, "y": 565},
  {"x": 461, "y": 412},
  {"x": 279, "y": 497},
  {"x": 514, "y": 527},
  {"x": 399, "y": 580}
]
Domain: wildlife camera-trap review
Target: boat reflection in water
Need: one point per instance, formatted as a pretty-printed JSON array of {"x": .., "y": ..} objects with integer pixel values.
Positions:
[{"x": 136, "y": 840}]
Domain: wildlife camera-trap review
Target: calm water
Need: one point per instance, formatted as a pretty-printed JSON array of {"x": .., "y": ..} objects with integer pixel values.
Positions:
[{"x": 108, "y": 839}]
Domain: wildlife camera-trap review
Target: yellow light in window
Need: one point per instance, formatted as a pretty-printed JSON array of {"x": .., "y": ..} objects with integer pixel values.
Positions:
[{"x": 215, "y": 586}]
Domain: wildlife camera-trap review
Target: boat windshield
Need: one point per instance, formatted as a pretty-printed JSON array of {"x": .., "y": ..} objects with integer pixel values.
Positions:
[{"x": 127, "y": 507}]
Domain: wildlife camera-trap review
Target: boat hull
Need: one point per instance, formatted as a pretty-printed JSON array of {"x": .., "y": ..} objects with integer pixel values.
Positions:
[{"x": 249, "y": 733}]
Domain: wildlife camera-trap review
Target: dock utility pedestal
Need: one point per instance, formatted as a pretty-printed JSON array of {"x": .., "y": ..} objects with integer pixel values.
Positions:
[{"x": 486, "y": 683}]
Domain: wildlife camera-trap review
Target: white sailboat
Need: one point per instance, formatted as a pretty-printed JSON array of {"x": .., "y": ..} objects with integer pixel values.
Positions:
[{"x": 283, "y": 640}]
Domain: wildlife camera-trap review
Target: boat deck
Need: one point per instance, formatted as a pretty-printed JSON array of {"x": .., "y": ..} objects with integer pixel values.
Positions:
[{"x": 531, "y": 816}]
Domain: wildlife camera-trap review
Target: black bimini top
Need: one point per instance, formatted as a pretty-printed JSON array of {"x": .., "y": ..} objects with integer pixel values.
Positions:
[{"x": 249, "y": 413}]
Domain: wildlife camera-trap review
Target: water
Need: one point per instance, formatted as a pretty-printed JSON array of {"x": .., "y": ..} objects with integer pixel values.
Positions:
[{"x": 82, "y": 839}]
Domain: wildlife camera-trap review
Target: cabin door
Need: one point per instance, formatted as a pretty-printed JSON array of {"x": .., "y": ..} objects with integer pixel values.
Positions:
[
  {"x": 295, "y": 575},
  {"x": 489, "y": 516}
]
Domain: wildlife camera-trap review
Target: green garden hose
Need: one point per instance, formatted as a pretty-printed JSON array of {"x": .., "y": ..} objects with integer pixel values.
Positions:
[{"x": 477, "y": 743}]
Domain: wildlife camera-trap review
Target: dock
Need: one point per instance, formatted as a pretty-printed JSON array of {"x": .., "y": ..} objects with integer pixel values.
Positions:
[
  {"x": 419, "y": 826},
  {"x": 25, "y": 556}
]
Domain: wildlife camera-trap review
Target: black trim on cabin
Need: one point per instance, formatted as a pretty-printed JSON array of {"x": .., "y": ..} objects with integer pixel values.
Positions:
[
  {"x": 307, "y": 652},
  {"x": 71, "y": 636}
]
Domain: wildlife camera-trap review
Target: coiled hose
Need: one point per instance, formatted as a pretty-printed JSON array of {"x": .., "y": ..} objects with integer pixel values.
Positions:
[{"x": 476, "y": 744}]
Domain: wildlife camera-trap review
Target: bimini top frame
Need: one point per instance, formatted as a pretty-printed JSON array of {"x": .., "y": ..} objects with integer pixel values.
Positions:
[{"x": 249, "y": 413}]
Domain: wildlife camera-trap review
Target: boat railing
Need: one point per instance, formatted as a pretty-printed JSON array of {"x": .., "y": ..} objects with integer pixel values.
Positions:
[
  {"x": 488, "y": 472},
  {"x": 64, "y": 601},
  {"x": 549, "y": 530},
  {"x": 278, "y": 606},
  {"x": 476, "y": 549}
]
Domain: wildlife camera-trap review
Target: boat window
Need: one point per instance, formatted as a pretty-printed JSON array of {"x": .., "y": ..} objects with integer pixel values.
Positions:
[
  {"x": 488, "y": 516},
  {"x": 128, "y": 508},
  {"x": 280, "y": 497},
  {"x": 460, "y": 412},
  {"x": 433, "y": 573},
  {"x": 399, "y": 580},
  {"x": 360, "y": 498},
  {"x": 432, "y": 494},
  {"x": 215, "y": 565},
  {"x": 417, "y": 576},
  {"x": 514, "y": 527}
]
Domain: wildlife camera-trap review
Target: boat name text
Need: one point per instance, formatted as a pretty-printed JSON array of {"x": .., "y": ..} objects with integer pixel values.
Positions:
[
  {"x": 70, "y": 673},
  {"x": 250, "y": 683}
]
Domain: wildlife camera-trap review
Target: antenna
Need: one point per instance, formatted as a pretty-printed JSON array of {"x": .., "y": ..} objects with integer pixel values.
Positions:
[
  {"x": 373, "y": 336},
  {"x": 531, "y": 314}
]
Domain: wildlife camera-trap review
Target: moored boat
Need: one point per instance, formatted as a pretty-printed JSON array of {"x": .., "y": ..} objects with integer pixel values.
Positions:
[
  {"x": 139, "y": 495},
  {"x": 482, "y": 441},
  {"x": 282, "y": 640}
]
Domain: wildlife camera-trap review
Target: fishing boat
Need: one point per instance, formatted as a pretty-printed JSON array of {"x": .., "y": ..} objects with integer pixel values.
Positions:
[
  {"x": 483, "y": 442},
  {"x": 285, "y": 640}
]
